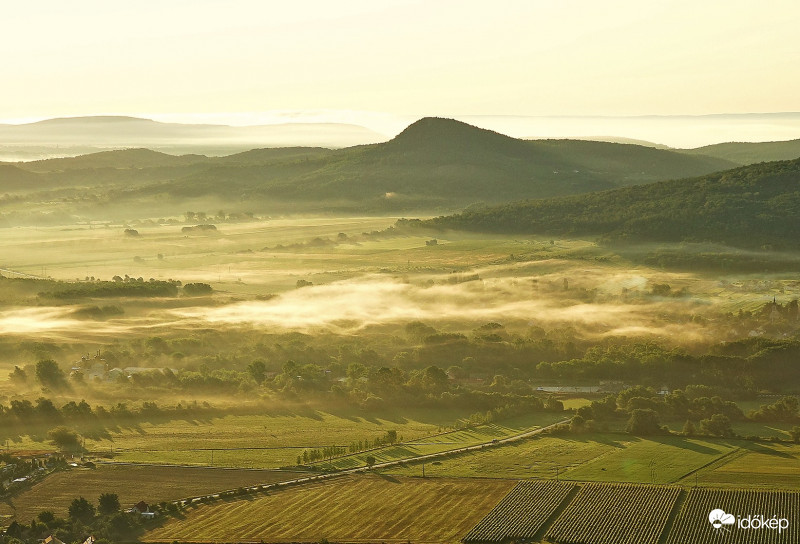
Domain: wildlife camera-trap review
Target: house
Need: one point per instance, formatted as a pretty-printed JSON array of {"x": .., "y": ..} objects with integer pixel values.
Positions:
[
  {"x": 52, "y": 540},
  {"x": 143, "y": 509},
  {"x": 140, "y": 507}
]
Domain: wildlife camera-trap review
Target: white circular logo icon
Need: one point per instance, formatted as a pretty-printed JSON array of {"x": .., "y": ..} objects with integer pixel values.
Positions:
[{"x": 719, "y": 518}]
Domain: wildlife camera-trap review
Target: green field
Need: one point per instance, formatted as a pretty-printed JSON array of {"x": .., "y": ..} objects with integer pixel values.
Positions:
[
  {"x": 539, "y": 457},
  {"x": 755, "y": 465},
  {"x": 656, "y": 460},
  {"x": 594, "y": 457},
  {"x": 132, "y": 484},
  {"x": 287, "y": 437},
  {"x": 352, "y": 509}
]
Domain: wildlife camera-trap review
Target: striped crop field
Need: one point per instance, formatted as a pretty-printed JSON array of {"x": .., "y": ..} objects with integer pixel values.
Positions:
[
  {"x": 715, "y": 515},
  {"x": 522, "y": 513},
  {"x": 615, "y": 514},
  {"x": 350, "y": 508}
]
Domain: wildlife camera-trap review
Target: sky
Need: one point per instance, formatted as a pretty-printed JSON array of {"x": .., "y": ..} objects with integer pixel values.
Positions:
[{"x": 244, "y": 61}]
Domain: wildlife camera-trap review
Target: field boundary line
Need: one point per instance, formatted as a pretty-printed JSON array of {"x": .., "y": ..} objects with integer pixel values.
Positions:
[
  {"x": 206, "y": 467},
  {"x": 677, "y": 507},
  {"x": 551, "y": 519},
  {"x": 723, "y": 459}
]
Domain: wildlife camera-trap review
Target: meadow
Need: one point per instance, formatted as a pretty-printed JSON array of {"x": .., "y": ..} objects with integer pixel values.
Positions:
[
  {"x": 362, "y": 276},
  {"x": 612, "y": 457},
  {"x": 771, "y": 466},
  {"x": 276, "y": 440}
]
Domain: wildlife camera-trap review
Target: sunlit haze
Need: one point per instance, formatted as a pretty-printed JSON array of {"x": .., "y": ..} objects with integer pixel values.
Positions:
[{"x": 384, "y": 64}]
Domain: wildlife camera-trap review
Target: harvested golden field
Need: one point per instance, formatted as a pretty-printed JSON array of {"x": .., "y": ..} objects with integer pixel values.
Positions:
[
  {"x": 152, "y": 484},
  {"x": 353, "y": 509}
]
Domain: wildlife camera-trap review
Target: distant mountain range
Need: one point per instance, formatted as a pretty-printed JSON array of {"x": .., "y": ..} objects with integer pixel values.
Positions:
[
  {"x": 45, "y": 138},
  {"x": 434, "y": 163},
  {"x": 755, "y": 206}
]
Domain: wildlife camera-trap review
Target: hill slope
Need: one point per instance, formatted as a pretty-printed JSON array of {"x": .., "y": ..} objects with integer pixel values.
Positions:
[
  {"x": 13, "y": 178},
  {"x": 751, "y": 206},
  {"x": 119, "y": 159},
  {"x": 433, "y": 164},
  {"x": 751, "y": 152}
]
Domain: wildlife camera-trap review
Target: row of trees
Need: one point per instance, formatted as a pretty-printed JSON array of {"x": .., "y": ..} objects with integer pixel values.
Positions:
[{"x": 320, "y": 454}]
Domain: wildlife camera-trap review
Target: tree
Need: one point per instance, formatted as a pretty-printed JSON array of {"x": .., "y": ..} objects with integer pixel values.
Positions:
[
  {"x": 47, "y": 410},
  {"x": 577, "y": 424},
  {"x": 257, "y": 370},
  {"x": 64, "y": 438},
  {"x": 18, "y": 376},
  {"x": 795, "y": 434},
  {"x": 46, "y": 517},
  {"x": 644, "y": 422},
  {"x": 108, "y": 503},
  {"x": 370, "y": 461},
  {"x": 717, "y": 425},
  {"x": 81, "y": 510},
  {"x": 197, "y": 289},
  {"x": 49, "y": 375},
  {"x": 14, "y": 530},
  {"x": 688, "y": 428},
  {"x": 434, "y": 379},
  {"x": 785, "y": 409}
]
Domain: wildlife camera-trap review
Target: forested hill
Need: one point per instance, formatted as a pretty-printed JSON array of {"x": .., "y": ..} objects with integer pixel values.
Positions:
[
  {"x": 433, "y": 164},
  {"x": 750, "y": 152},
  {"x": 751, "y": 206},
  {"x": 450, "y": 163}
]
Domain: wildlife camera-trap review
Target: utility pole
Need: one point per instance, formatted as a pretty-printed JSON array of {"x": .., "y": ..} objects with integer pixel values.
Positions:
[{"x": 423, "y": 470}]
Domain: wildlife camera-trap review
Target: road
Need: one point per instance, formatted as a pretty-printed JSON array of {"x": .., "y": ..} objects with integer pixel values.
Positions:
[
  {"x": 21, "y": 274},
  {"x": 388, "y": 464}
]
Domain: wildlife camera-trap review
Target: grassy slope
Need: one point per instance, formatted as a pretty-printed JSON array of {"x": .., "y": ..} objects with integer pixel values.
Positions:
[
  {"x": 755, "y": 465},
  {"x": 659, "y": 460},
  {"x": 132, "y": 484},
  {"x": 352, "y": 509}
]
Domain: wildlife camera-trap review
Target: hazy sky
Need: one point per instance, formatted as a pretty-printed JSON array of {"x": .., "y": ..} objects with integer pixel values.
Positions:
[{"x": 401, "y": 57}]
